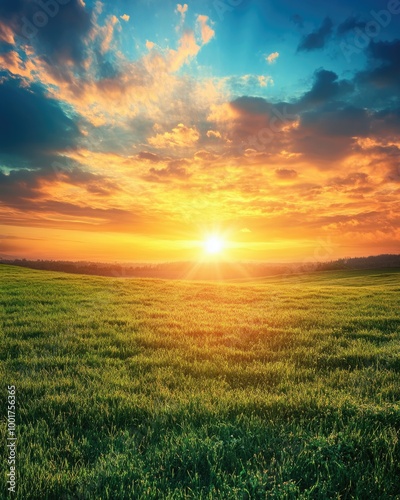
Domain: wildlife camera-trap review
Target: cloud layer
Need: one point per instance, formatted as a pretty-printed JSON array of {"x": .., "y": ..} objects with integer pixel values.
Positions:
[{"x": 154, "y": 140}]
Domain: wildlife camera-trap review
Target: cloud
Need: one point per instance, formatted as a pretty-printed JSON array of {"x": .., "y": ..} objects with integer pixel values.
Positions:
[
  {"x": 243, "y": 84},
  {"x": 254, "y": 119},
  {"x": 272, "y": 57},
  {"x": 176, "y": 169},
  {"x": 59, "y": 39},
  {"x": 32, "y": 122},
  {"x": 207, "y": 33},
  {"x": 186, "y": 51},
  {"x": 327, "y": 134},
  {"x": 100, "y": 83},
  {"x": 107, "y": 33},
  {"x": 213, "y": 134},
  {"x": 351, "y": 180},
  {"x": 20, "y": 188},
  {"x": 284, "y": 173},
  {"x": 350, "y": 24},
  {"x": 125, "y": 17},
  {"x": 6, "y": 34},
  {"x": 182, "y": 9},
  {"x": 270, "y": 162},
  {"x": 384, "y": 65},
  {"x": 264, "y": 81},
  {"x": 150, "y": 45},
  {"x": 144, "y": 155},
  {"x": 317, "y": 39},
  {"x": 326, "y": 88},
  {"x": 180, "y": 136}
]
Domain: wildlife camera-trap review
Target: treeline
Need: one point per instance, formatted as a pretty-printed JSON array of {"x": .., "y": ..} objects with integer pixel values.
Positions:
[{"x": 210, "y": 270}]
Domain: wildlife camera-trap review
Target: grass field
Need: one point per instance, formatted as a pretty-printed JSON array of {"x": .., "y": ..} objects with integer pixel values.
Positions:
[{"x": 283, "y": 388}]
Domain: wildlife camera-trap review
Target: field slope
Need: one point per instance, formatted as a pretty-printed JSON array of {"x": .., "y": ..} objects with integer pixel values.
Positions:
[{"x": 279, "y": 388}]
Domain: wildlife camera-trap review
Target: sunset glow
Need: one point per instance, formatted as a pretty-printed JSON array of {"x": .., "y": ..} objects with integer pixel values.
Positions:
[
  {"x": 214, "y": 245},
  {"x": 130, "y": 125}
]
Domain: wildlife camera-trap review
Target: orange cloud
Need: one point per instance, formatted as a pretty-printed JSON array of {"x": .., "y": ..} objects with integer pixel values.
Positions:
[
  {"x": 207, "y": 33},
  {"x": 181, "y": 136},
  {"x": 187, "y": 50},
  {"x": 12, "y": 62},
  {"x": 214, "y": 133},
  {"x": 6, "y": 34},
  {"x": 265, "y": 81},
  {"x": 107, "y": 32},
  {"x": 272, "y": 57},
  {"x": 182, "y": 9},
  {"x": 222, "y": 113}
]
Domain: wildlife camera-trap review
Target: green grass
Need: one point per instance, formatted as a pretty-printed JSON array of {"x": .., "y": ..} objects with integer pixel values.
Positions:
[{"x": 283, "y": 388}]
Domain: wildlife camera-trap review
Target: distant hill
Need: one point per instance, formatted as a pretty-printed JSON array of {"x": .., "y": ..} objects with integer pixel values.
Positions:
[{"x": 205, "y": 271}]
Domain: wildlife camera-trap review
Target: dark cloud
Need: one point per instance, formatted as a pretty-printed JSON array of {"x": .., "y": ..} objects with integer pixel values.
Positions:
[
  {"x": 327, "y": 123},
  {"x": 252, "y": 105},
  {"x": 326, "y": 87},
  {"x": 259, "y": 119},
  {"x": 386, "y": 123},
  {"x": 284, "y": 173},
  {"x": 59, "y": 34},
  {"x": 327, "y": 134},
  {"x": 5, "y": 47},
  {"x": 350, "y": 24},
  {"x": 346, "y": 121},
  {"x": 144, "y": 155},
  {"x": 318, "y": 38},
  {"x": 19, "y": 188},
  {"x": 394, "y": 173},
  {"x": 31, "y": 122},
  {"x": 383, "y": 66},
  {"x": 351, "y": 180}
]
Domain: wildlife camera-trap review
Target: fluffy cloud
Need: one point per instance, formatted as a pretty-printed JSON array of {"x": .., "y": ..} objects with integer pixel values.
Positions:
[
  {"x": 182, "y": 9},
  {"x": 180, "y": 136},
  {"x": 326, "y": 88},
  {"x": 272, "y": 57},
  {"x": 207, "y": 33}
]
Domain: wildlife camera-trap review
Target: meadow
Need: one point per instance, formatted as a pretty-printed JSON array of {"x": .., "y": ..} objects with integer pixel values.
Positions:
[{"x": 278, "y": 388}]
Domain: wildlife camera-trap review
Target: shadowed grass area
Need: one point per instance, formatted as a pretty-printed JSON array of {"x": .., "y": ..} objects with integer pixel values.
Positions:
[{"x": 279, "y": 388}]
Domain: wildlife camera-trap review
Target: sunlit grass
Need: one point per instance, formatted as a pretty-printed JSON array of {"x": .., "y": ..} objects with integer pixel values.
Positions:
[{"x": 278, "y": 388}]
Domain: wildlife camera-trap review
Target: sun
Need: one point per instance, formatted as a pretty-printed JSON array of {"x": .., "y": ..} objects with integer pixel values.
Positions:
[{"x": 213, "y": 245}]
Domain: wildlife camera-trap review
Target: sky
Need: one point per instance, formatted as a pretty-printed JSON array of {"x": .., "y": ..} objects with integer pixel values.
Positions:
[{"x": 135, "y": 130}]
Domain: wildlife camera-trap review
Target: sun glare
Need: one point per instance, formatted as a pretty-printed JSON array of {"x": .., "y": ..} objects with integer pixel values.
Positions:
[{"x": 213, "y": 245}]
